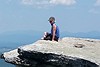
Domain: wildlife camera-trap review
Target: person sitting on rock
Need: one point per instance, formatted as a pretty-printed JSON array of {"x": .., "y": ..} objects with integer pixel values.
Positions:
[{"x": 54, "y": 35}]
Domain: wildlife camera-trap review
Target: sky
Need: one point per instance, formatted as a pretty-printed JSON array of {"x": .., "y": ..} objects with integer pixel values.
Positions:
[{"x": 71, "y": 15}]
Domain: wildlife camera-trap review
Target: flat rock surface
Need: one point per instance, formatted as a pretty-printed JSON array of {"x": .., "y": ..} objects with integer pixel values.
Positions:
[{"x": 88, "y": 49}]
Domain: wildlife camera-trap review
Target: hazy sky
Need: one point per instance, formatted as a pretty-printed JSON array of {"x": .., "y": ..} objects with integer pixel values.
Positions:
[{"x": 71, "y": 15}]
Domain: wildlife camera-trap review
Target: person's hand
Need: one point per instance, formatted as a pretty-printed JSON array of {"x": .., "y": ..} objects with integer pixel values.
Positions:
[{"x": 53, "y": 40}]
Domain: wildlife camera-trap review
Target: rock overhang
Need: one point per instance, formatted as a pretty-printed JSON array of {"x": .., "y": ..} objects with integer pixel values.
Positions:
[{"x": 65, "y": 47}]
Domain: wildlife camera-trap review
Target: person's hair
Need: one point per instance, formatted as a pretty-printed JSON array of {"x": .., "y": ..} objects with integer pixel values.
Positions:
[{"x": 52, "y": 18}]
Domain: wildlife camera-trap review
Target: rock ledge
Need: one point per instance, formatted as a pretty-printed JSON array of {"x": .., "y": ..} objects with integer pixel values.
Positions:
[{"x": 68, "y": 52}]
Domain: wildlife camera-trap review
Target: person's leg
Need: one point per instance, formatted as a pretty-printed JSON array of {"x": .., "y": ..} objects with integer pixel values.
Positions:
[
  {"x": 48, "y": 36},
  {"x": 56, "y": 38},
  {"x": 45, "y": 34}
]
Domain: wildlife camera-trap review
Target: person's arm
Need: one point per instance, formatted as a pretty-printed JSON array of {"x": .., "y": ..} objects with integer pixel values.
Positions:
[{"x": 54, "y": 30}]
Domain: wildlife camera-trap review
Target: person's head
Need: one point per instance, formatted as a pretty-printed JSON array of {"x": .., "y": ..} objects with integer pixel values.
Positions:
[{"x": 51, "y": 20}]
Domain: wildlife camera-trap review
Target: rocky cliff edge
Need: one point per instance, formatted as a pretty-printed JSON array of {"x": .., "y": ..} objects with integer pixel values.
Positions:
[{"x": 68, "y": 52}]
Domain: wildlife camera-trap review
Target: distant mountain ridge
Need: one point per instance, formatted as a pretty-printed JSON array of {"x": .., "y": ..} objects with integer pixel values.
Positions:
[
  {"x": 18, "y": 38},
  {"x": 92, "y": 34}
]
